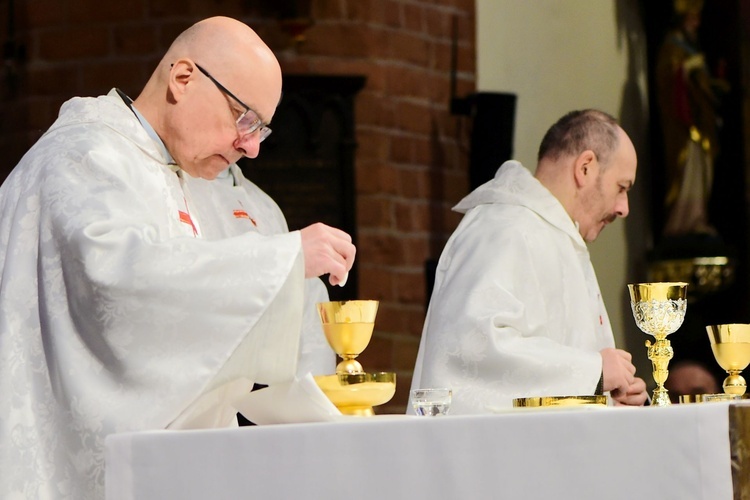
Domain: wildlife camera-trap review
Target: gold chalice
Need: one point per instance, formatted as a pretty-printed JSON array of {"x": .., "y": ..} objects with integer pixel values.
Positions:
[
  {"x": 348, "y": 327},
  {"x": 731, "y": 347},
  {"x": 659, "y": 309}
]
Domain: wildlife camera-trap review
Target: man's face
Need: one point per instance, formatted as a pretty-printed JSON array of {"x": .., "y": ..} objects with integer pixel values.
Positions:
[
  {"x": 606, "y": 198},
  {"x": 207, "y": 139}
]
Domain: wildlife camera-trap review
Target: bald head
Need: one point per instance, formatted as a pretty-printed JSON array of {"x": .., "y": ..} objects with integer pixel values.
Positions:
[
  {"x": 213, "y": 72},
  {"x": 231, "y": 51}
]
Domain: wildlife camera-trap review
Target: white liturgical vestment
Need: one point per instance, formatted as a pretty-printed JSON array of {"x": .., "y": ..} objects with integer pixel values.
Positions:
[
  {"x": 115, "y": 315},
  {"x": 516, "y": 309},
  {"x": 231, "y": 205}
]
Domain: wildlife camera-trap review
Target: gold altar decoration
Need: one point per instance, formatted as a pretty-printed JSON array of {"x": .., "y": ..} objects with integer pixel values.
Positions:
[
  {"x": 659, "y": 309},
  {"x": 534, "y": 402},
  {"x": 730, "y": 344},
  {"x": 705, "y": 275},
  {"x": 348, "y": 327}
]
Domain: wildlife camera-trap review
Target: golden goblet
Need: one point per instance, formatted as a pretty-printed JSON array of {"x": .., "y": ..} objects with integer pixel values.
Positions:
[
  {"x": 659, "y": 309},
  {"x": 348, "y": 327},
  {"x": 731, "y": 347}
]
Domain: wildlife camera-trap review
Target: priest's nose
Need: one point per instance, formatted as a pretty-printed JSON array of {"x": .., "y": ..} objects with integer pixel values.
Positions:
[{"x": 248, "y": 144}]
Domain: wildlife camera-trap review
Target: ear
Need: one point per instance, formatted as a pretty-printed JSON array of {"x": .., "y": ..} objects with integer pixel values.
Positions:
[
  {"x": 181, "y": 73},
  {"x": 585, "y": 167}
]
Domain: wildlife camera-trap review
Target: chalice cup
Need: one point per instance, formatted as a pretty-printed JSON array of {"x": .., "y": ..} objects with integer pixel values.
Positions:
[
  {"x": 659, "y": 309},
  {"x": 348, "y": 327},
  {"x": 731, "y": 347}
]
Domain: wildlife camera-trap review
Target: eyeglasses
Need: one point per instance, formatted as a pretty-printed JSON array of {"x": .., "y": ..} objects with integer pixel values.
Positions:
[{"x": 249, "y": 121}]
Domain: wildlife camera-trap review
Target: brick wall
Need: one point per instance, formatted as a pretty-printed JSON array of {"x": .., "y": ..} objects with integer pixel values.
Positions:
[{"x": 412, "y": 158}]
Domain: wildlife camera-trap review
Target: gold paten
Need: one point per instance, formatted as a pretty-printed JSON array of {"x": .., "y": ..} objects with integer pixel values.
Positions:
[
  {"x": 357, "y": 394},
  {"x": 559, "y": 401},
  {"x": 659, "y": 309},
  {"x": 691, "y": 398},
  {"x": 730, "y": 344},
  {"x": 348, "y": 327}
]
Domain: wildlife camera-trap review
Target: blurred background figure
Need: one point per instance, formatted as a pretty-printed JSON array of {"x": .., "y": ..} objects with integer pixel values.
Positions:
[{"x": 690, "y": 378}]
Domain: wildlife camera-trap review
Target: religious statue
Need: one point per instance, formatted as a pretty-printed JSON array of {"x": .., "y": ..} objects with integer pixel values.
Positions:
[{"x": 688, "y": 97}]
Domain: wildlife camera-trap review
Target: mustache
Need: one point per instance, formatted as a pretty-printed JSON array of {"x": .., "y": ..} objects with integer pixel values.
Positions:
[{"x": 610, "y": 219}]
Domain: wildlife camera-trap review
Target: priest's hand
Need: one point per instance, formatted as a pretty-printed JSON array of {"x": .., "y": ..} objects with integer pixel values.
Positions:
[
  {"x": 327, "y": 250},
  {"x": 618, "y": 371},
  {"x": 635, "y": 395}
]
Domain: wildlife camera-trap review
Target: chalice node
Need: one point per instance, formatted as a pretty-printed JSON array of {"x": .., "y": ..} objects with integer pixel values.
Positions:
[{"x": 659, "y": 309}]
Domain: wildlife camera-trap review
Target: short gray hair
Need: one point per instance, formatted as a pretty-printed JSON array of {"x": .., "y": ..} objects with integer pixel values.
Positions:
[{"x": 578, "y": 131}]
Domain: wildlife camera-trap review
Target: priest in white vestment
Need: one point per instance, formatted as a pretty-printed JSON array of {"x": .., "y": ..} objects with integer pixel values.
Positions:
[
  {"x": 116, "y": 314},
  {"x": 516, "y": 310}
]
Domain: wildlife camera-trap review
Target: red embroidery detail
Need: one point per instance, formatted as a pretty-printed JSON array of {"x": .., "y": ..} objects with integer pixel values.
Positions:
[
  {"x": 241, "y": 214},
  {"x": 185, "y": 217}
]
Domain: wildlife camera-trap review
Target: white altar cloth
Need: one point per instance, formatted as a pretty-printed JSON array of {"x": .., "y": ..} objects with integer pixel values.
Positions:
[{"x": 678, "y": 452}]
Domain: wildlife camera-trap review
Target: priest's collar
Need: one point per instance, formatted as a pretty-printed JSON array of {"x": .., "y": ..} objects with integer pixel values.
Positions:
[{"x": 149, "y": 129}]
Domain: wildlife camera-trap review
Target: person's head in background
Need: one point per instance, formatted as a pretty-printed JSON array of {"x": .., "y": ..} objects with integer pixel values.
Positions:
[{"x": 690, "y": 378}]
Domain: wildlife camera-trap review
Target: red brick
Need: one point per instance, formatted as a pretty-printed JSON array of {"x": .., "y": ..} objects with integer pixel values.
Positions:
[
  {"x": 129, "y": 76},
  {"x": 373, "y": 282},
  {"x": 378, "y": 356},
  {"x": 414, "y": 317},
  {"x": 365, "y": 11},
  {"x": 390, "y": 318},
  {"x": 408, "y": 47},
  {"x": 415, "y": 118},
  {"x": 417, "y": 250},
  {"x": 50, "y": 80},
  {"x": 73, "y": 43},
  {"x": 328, "y": 10},
  {"x": 45, "y": 13},
  {"x": 412, "y": 216},
  {"x": 378, "y": 248},
  {"x": 405, "y": 355},
  {"x": 86, "y": 12},
  {"x": 410, "y": 288},
  {"x": 372, "y": 145},
  {"x": 412, "y": 183},
  {"x": 375, "y": 211},
  {"x": 372, "y": 109},
  {"x": 414, "y": 17},
  {"x": 135, "y": 40},
  {"x": 376, "y": 178},
  {"x": 438, "y": 23}
]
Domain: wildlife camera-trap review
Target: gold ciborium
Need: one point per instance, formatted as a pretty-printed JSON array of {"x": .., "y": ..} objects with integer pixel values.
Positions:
[
  {"x": 348, "y": 327},
  {"x": 731, "y": 347},
  {"x": 659, "y": 309}
]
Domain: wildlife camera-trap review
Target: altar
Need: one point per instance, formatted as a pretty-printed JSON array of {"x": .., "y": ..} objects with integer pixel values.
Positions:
[{"x": 689, "y": 451}]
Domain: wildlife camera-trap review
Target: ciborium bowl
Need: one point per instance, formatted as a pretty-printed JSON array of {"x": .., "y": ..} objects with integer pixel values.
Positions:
[
  {"x": 730, "y": 344},
  {"x": 659, "y": 310},
  {"x": 356, "y": 394},
  {"x": 348, "y": 327}
]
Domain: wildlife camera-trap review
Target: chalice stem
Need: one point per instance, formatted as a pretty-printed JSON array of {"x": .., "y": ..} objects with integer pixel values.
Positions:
[{"x": 660, "y": 352}]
